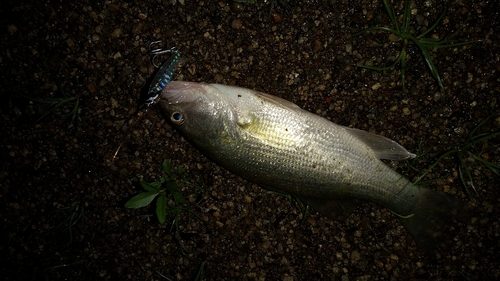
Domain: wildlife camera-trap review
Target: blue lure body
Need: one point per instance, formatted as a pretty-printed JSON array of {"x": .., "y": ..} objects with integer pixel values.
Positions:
[{"x": 162, "y": 77}]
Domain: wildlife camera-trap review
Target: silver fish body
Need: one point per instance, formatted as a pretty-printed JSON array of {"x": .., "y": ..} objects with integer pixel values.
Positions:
[{"x": 276, "y": 144}]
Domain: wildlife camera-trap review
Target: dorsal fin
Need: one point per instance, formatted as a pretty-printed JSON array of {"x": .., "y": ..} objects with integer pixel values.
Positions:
[
  {"x": 383, "y": 147},
  {"x": 278, "y": 101}
]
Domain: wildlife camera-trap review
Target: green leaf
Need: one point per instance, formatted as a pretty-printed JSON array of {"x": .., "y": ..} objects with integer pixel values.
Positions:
[
  {"x": 141, "y": 200},
  {"x": 161, "y": 208},
  {"x": 172, "y": 186},
  {"x": 167, "y": 166},
  {"x": 178, "y": 198},
  {"x": 151, "y": 187}
]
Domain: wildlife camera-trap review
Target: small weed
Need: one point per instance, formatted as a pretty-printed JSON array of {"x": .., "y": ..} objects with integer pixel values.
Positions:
[
  {"x": 424, "y": 44},
  {"x": 170, "y": 199},
  {"x": 468, "y": 149},
  {"x": 166, "y": 188},
  {"x": 65, "y": 106},
  {"x": 75, "y": 215},
  {"x": 61, "y": 103}
]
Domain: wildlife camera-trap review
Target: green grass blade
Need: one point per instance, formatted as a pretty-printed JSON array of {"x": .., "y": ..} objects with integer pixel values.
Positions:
[
  {"x": 406, "y": 17},
  {"x": 74, "y": 112},
  {"x": 392, "y": 16},
  {"x": 443, "y": 43},
  {"x": 466, "y": 183},
  {"x": 451, "y": 45},
  {"x": 447, "y": 153},
  {"x": 382, "y": 28},
  {"x": 305, "y": 214},
  {"x": 377, "y": 68},
  {"x": 470, "y": 136},
  {"x": 196, "y": 215},
  {"x": 495, "y": 169},
  {"x": 159, "y": 273},
  {"x": 428, "y": 60},
  {"x": 175, "y": 222},
  {"x": 433, "y": 26},
  {"x": 430, "y": 42},
  {"x": 49, "y": 110},
  {"x": 200, "y": 273},
  {"x": 450, "y": 37},
  {"x": 54, "y": 103},
  {"x": 481, "y": 138}
]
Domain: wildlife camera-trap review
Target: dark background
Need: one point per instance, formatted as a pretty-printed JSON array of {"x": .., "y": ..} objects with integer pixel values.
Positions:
[{"x": 60, "y": 177}]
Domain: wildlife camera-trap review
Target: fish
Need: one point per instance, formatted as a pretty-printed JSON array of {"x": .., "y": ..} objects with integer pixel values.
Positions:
[{"x": 279, "y": 146}]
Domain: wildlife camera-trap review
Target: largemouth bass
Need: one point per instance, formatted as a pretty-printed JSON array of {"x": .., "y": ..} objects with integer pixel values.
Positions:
[{"x": 279, "y": 146}]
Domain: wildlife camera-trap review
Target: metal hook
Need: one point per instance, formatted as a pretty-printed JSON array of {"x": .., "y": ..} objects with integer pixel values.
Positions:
[{"x": 159, "y": 51}]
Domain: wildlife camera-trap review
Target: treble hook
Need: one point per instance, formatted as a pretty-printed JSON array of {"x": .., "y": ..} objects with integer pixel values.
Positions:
[{"x": 159, "y": 51}]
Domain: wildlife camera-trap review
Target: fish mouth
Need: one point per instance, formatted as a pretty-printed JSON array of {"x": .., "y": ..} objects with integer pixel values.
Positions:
[{"x": 177, "y": 92}]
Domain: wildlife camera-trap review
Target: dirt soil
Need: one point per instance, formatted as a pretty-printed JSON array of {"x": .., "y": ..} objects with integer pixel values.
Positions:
[{"x": 65, "y": 178}]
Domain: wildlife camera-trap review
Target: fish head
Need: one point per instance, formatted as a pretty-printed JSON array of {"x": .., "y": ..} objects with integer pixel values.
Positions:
[{"x": 200, "y": 112}]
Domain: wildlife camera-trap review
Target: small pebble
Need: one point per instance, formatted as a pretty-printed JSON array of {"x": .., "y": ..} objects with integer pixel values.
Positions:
[
  {"x": 236, "y": 24},
  {"x": 116, "y": 33},
  {"x": 236, "y": 7}
]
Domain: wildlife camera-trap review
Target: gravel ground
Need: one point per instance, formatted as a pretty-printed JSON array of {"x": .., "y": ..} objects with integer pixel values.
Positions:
[{"x": 64, "y": 184}]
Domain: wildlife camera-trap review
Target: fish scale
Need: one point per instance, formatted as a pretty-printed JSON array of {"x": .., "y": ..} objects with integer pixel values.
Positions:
[
  {"x": 312, "y": 162},
  {"x": 276, "y": 144}
]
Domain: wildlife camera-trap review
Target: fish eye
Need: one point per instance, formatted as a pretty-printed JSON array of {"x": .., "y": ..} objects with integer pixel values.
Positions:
[{"x": 177, "y": 118}]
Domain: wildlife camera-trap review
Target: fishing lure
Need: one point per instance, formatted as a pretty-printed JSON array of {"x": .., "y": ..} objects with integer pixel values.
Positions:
[
  {"x": 160, "y": 80},
  {"x": 164, "y": 74}
]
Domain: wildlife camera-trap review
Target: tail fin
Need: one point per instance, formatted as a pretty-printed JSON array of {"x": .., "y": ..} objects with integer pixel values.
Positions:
[{"x": 433, "y": 218}]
